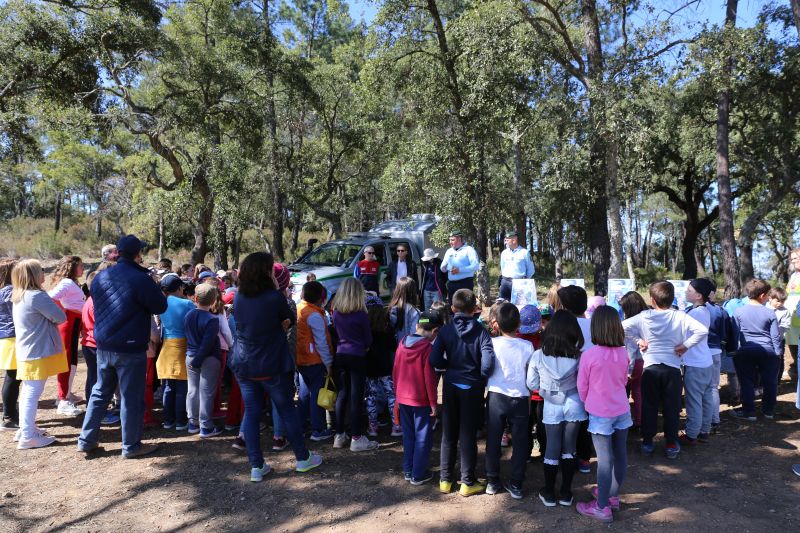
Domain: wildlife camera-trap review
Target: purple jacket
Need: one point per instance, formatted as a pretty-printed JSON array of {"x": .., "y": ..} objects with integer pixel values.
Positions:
[{"x": 354, "y": 332}]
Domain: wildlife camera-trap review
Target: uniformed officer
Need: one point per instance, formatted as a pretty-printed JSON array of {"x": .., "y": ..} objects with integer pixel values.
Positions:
[{"x": 515, "y": 263}]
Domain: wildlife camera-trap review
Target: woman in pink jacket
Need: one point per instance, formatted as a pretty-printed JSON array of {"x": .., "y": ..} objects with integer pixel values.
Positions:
[{"x": 602, "y": 376}]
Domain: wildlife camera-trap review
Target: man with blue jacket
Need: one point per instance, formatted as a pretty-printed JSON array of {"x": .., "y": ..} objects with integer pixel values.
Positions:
[
  {"x": 125, "y": 297},
  {"x": 460, "y": 262}
]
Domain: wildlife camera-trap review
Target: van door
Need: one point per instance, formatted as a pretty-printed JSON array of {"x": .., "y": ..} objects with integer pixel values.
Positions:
[{"x": 381, "y": 256}]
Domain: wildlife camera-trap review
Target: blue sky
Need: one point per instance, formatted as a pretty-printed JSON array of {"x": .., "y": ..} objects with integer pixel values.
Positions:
[{"x": 711, "y": 11}]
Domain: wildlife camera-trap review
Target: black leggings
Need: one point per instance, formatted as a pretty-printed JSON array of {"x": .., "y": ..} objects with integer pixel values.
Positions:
[
  {"x": 351, "y": 375},
  {"x": 10, "y": 395}
]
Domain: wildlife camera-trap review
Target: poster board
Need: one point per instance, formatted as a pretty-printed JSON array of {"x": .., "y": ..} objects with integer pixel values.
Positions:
[
  {"x": 680, "y": 286},
  {"x": 523, "y": 292},
  {"x": 580, "y": 282},
  {"x": 617, "y": 288}
]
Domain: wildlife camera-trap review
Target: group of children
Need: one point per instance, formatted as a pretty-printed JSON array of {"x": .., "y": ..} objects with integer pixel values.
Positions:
[{"x": 553, "y": 369}]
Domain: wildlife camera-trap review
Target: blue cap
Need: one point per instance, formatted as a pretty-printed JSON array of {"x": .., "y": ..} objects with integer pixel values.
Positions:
[
  {"x": 205, "y": 274},
  {"x": 530, "y": 319},
  {"x": 130, "y": 245}
]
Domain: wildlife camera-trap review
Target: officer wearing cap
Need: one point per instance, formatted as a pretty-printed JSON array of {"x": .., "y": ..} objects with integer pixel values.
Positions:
[
  {"x": 515, "y": 263},
  {"x": 460, "y": 262}
]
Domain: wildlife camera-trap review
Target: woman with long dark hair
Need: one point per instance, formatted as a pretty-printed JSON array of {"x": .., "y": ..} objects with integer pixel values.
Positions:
[{"x": 262, "y": 362}]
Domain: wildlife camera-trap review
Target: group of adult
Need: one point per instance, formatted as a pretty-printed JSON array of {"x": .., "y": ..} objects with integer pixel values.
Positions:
[{"x": 456, "y": 270}]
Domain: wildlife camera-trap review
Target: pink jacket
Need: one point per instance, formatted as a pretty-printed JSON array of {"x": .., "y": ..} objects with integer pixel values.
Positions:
[
  {"x": 413, "y": 376},
  {"x": 602, "y": 376}
]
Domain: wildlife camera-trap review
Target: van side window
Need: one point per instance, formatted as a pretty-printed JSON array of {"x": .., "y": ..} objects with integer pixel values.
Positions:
[{"x": 380, "y": 253}]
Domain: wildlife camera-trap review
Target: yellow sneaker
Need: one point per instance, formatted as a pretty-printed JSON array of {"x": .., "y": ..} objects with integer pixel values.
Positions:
[
  {"x": 468, "y": 490},
  {"x": 445, "y": 487}
]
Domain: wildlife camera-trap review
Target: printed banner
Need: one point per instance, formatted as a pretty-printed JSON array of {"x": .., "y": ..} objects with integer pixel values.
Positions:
[
  {"x": 523, "y": 292},
  {"x": 617, "y": 288},
  {"x": 574, "y": 281},
  {"x": 680, "y": 286}
]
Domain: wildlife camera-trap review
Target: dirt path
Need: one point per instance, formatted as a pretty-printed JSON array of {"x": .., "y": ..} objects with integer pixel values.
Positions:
[{"x": 741, "y": 481}]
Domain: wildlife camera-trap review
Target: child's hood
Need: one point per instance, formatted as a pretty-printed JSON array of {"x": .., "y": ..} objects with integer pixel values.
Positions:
[
  {"x": 415, "y": 347},
  {"x": 557, "y": 367},
  {"x": 658, "y": 323},
  {"x": 465, "y": 325}
]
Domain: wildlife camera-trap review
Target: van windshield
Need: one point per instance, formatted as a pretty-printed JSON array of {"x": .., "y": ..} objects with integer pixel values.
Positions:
[{"x": 332, "y": 254}]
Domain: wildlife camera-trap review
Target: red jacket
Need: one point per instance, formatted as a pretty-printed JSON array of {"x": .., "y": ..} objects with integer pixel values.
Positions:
[
  {"x": 87, "y": 324},
  {"x": 414, "y": 377}
]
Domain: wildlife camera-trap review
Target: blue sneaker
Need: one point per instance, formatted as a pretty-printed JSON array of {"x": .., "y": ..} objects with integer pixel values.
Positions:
[
  {"x": 648, "y": 449},
  {"x": 192, "y": 428},
  {"x": 110, "y": 419},
  {"x": 168, "y": 425},
  {"x": 257, "y": 474},
  {"x": 673, "y": 450},
  {"x": 213, "y": 432},
  {"x": 182, "y": 427},
  {"x": 312, "y": 462},
  {"x": 318, "y": 436}
]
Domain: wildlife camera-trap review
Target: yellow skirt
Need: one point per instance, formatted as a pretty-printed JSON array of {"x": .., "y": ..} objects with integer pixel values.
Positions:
[
  {"x": 171, "y": 362},
  {"x": 42, "y": 368},
  {"x": 8, "y": 354}
]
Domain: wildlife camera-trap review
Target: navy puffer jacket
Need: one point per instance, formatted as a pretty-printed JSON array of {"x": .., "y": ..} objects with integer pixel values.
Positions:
[{"x": 125, "y": 297}]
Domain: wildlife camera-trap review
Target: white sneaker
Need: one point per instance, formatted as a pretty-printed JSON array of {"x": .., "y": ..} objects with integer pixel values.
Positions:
[
  {"x": 37, "y": 430},
  {"x": 340, "y": 440},
  {"x": 362, "y": 444},
  {"x": 38, "y": 441},
  {"x": 74, "y": 398},
  {"x": 67, "y": 408}
]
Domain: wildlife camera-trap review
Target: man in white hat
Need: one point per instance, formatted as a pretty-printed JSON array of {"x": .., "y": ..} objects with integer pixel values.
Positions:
[
  {"x": 434, "y": 281},
  {"x": 515, "y": 263}
]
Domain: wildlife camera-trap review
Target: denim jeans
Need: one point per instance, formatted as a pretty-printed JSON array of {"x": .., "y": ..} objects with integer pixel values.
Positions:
[
  {"x": 417, "y": 440},
  {"x": 312, "y": 377},
  {"x": 174, "y": 401},
  {"x": 717, "y": 358},
  {"x": 202, "y": 386},
  {"x": 280, "y": 392},
  {"x": 428, "y": 297},
  {"x": 128, "y": 370}
]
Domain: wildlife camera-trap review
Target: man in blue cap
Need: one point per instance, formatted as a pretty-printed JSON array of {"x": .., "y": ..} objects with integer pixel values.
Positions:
[
  {"x": 125, "y": 297},
  {"x": 460, "y": 262},
  {"x": 515, "y": 263}
]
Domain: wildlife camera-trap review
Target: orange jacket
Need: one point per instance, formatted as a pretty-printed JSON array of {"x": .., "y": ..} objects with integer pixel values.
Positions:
[{"x": 307, "y": 353}]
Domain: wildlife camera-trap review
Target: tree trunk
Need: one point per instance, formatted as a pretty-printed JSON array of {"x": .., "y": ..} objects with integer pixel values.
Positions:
[
  {"x": 160, "y": 235},
  {"x": 698, "y": 260},
  {"x": 202, "y": 225},
  {"x": 559, "y": 251},
  {"x": 727, "y": 239},
  {"x": 221, "y": 246},
  {"x": 689, "y": 247},
  {"x": 59, "y": 200},
  {"x": 746, "y": 259},
  {"x": 615, "y": 231},
  {"x": 98, "y": 224},
  {"x": 519, "y": 215},
  {"x": 298, "y": 218},
  {"x": 629, "y": 245},
  {"x": 796, "y": 12}
]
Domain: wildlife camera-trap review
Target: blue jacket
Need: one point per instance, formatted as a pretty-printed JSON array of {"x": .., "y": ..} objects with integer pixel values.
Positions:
[
  {"x": 260, "y": 346},
  {"x": 125, "y": 297},
  {"x": 6, "y": 317},
  {"x": 202, "y": 337},
  {"x": 464, "y": 348}
]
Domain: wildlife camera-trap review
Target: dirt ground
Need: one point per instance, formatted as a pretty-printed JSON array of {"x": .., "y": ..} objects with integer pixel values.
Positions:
[{"x": 740, "y": 481}]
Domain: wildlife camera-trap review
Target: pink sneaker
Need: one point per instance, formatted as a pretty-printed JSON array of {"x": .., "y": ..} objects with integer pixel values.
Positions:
[
  {"x": 591, "y": 510},
  {"x": 613, "y": 501}
]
